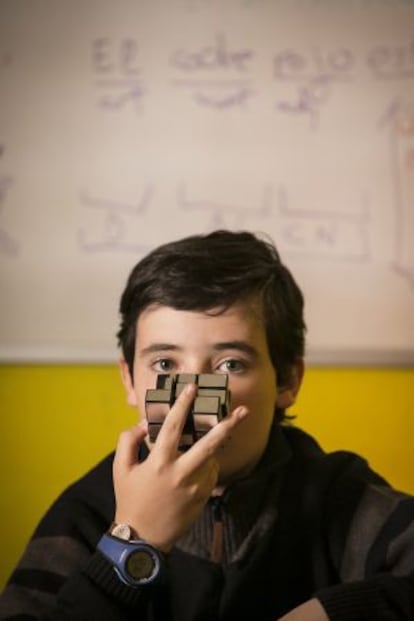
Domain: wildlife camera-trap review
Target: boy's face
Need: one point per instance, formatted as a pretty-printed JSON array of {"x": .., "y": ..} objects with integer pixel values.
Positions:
[{"x": 233, "y": 342}]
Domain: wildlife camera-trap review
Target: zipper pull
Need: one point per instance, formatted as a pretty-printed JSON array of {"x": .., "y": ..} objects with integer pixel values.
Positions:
[{"x": 216, "y": 552}]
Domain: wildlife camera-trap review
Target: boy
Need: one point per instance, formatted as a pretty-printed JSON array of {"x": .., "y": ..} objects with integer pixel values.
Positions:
[{"x": 254, "y": 520}]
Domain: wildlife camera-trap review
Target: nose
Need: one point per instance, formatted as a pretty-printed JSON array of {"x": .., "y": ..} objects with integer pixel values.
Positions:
[{"x": 198, "y": 366}]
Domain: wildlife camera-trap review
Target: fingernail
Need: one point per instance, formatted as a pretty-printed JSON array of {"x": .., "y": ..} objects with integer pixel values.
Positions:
[
  {"x": 242, "y": 412},
  {"x": 189, "y": 389}
]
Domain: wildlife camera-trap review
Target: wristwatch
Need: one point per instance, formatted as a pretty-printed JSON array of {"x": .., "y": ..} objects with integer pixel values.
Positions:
[{"x": 136, "y": 562}]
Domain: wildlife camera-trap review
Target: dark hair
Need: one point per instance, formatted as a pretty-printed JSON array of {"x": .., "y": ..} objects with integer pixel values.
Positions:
[{"x": 214, "y": 271}]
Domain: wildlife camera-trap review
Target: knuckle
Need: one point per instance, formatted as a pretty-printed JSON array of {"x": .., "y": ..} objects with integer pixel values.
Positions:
[
  {"x": 124, "y": 438},
  {"x": 125, "y": 434}
]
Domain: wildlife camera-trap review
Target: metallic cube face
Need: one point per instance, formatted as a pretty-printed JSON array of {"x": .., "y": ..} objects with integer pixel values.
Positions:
[{"x": 212, "y": 403}]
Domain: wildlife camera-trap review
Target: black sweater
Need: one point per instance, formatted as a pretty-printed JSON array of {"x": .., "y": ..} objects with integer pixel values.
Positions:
[{"x": 304, "y": 524}]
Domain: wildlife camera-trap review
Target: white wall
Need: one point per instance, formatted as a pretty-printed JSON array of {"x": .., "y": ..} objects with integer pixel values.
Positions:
[{"x": 127, "y": 124}]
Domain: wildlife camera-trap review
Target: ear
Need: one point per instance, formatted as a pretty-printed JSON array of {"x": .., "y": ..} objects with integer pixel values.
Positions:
[
  {"x": 287, "y": 394},
  {"x": 127, "y": 382}
]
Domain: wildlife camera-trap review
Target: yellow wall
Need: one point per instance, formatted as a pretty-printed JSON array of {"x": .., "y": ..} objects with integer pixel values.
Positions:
[{"x": 57, "y": 421}]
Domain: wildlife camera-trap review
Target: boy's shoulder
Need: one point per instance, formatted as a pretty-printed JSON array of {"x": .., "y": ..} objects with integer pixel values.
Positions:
[
  {"x": 323, "y": 487},
  {"x": 327, "y": 471},
  {"x": 85, "y": 507}
]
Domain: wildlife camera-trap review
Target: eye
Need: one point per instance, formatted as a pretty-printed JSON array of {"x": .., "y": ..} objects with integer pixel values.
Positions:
[
  {"x": 163, "y": 365},
  {"x": 231, "y": 365}
]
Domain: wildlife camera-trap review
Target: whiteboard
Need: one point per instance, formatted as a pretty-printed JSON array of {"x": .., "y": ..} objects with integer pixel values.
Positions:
[{"x": 126, "y": 124}]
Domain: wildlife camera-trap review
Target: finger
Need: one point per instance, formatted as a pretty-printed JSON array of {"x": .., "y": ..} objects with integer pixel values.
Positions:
[
  {"x": 212, "y": 442},
  {"x": 170, "y": 433},
  {"x": 205, "y": 479},
  {"x": 127, "y": 449}
]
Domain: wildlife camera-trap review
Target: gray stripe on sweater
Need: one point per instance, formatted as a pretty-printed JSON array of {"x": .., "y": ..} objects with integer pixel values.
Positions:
[
  {"x": 18, "y": 600},
  {"x": 400, "y": 555},
  {"x": 59, "y": 555},
  {"x": 376, "y": 506}
]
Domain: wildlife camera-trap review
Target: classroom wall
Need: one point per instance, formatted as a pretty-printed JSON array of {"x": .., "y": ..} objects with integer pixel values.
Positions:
[
  {"x": 124, "y": 128},
  {"x": 57, "y": 421}
]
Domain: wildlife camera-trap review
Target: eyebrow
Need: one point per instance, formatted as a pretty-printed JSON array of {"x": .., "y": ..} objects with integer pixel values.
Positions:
[
  {"x": 155, "y": 347},
  {"x": 222, "y": 346},
  {"x": 238, "y": 345}
]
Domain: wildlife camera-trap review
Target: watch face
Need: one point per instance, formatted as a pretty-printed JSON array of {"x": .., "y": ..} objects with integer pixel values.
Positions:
[{"x": 140, "y": 565}]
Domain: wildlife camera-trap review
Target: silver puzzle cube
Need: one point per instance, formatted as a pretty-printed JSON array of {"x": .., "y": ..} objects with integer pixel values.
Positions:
[{"x": 212, "y": 403}]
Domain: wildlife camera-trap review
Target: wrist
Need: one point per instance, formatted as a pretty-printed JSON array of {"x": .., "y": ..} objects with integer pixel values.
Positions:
[{"x": 124, "y": 530}]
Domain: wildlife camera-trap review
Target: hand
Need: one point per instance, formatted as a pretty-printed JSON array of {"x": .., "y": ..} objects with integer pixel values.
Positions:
[
  {"x": 312, "y": 610},
  {"x": 161, "y": 497}
]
